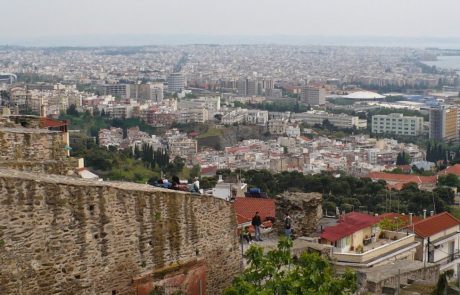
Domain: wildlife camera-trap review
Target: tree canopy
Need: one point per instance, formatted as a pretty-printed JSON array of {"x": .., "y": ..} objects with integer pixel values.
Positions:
[{"x": 278, "y": 272}]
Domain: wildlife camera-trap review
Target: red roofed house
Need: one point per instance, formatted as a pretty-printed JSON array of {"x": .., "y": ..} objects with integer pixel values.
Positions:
[
  {"x": 455, "y": 169},
  {"x": 359, "y": 242},
  {"x": 245, "y": 209},
  {"x": 208, "y": 171},
  {"x": 439, "y": 238},
  {"x": 397, "y": 181}
]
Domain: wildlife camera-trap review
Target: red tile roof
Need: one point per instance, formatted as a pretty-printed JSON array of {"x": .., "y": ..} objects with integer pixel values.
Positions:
[
  {"x": 455, "y": 169},
  {"x": 209, "y": 170},
  {"x": 47, "y": 122},
  {"x": 245, "y": 208},
  {"x": 348, "y": 224},
  {"x": 434, "y": 224},
  {"x": 402, "y": 178}
]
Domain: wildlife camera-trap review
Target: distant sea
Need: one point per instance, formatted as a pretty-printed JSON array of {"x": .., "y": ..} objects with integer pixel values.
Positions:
[{"x": 446, "y": 62}]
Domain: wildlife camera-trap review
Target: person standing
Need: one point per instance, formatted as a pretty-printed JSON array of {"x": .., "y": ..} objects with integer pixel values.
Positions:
[
  {"x": 256, "y": 223},
  {"x": 287, "y": 226}
]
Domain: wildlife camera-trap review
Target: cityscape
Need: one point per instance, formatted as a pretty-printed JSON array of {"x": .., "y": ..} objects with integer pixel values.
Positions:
[{"x": 277, "y": 155}]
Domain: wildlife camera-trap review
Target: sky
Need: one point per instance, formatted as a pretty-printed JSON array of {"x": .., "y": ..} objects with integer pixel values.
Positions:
[{"x": 47, "y": 19}]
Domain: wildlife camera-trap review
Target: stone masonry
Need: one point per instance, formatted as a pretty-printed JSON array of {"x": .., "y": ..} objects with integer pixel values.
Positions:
[
  {"x": 304, "y": 208},
  {"x": 63, "y": 235},
  {"x": 33, "y": 148}
]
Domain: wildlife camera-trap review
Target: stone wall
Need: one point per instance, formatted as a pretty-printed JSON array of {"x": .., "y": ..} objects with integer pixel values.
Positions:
[
  {"x": 304, "y": 208},
  {"x": 402, "y": 272},
  {"x": 34, "y": 149},
  {"x": 62, "y": 235}
]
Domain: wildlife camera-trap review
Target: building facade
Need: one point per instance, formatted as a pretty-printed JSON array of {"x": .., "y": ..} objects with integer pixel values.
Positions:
[
  {"x": 338, "y": 120},
  {"x": 444, "y": 123},
  {"x": 176, "y": 82},
  {"x": 313, "y": 95},
  {"x": 397, "y": 124}
]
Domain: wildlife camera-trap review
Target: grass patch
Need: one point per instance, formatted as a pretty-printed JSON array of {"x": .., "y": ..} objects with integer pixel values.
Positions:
[
  {"x": 455, "y": 211},
  {"x": 210, "y": 133}
]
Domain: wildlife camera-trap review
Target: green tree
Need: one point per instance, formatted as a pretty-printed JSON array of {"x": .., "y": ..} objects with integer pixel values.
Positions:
[
  {"x": 443, "y": 282},
  {"x": 403, "y": 158},
  {"x": 278, "y": 272},
  {"x": 449, "y": 180},
  {"x": 391, "y": 224},
  {"x": 72, "y": 111},
  {"x": 195, "y": 171},
  {"x": 208, "y": 182}
]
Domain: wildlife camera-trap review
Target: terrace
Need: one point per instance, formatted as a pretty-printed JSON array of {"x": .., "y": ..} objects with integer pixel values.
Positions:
[{"x": 385, "y": 246}]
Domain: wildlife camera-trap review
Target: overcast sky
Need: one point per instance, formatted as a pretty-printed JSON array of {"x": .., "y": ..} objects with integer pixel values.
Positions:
[{"x": 416, "y": 18}]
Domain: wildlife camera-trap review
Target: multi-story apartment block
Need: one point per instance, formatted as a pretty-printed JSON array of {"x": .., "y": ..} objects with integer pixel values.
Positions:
[
  {"x": 397, "y": 124},
  {"x": 257, "y": 117},
  {"x": 176, "y": 82},
  {"x": 147, "y": 92},
  {"x": 313, "y": 95},
  {"x": 277, "y": 126},
  {"x": 180, "y": 145},
  {"x": 110, "y": 137},
  {"x": 117, "y": 90},
  {"x": 254, "y": 87},
  {"x": 338, "y": 120},
  {"x": 444, "y": 123},
  {"x": 234, "y": 117},
  {"x": 185, "y": 116}
]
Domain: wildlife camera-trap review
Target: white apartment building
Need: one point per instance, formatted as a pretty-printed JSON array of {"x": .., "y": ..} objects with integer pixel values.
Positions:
[
  {"x": 185, "y": 116},
  {"x": 339, "y": 120},
  {"x": 208, "y": 102},
  {"x": 182, "y": 147},
  {"x": 110, "y": 137},
  {"x": 277, "y": 126},
  {"x": 257, "y": 117},
  {"x": 397, "y": 124},
  {"x": 234, "y": 117},
  {"x": 293, "y": 130}
]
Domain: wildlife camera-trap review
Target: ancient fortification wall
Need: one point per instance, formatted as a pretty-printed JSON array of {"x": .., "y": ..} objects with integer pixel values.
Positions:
[
  {"x": 304, "y": 208},
  {"x": 62, "y": 235},
  {"x": 37, "y": 150}
]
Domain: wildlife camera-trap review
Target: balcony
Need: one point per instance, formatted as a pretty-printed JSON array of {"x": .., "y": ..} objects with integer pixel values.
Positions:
[
  {"x": 389, "y": 245},
  {"x": 449, "y": 258}
]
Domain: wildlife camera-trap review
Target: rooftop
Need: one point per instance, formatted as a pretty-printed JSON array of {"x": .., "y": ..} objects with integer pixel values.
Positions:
[
  {"x": 245, "y": 208},
  {"x": 364, "y": 95},
  {"x": 348, "y": 224},
  {"x": 434, "y": 224}
]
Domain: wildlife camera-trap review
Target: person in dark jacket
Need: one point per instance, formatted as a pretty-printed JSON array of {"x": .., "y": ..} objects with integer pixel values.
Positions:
[
  {"x": 175, "y": 182},
  {"x": 256, "y": 223},
  {"x": 287, "y": 226}
]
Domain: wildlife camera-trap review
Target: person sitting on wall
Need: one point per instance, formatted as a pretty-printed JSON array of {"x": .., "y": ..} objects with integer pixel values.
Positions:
[
  {"x": 195, "y": 187},
  {"x": 166, "y": 183},
  {"x": 175, "y": 182}
]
